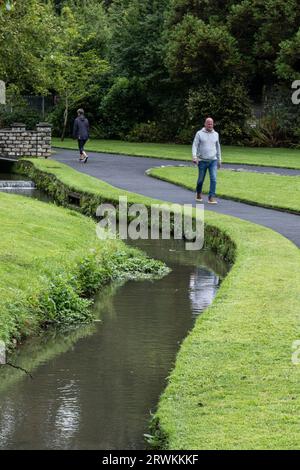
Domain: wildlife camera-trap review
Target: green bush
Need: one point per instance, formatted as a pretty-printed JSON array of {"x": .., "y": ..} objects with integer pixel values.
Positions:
[
  {"x": 123, "y": 106},
  {"x": 61, "y": 303},
  {"x": 269, "y": 133},
  {"x": 186, "y": 135},
  {"x": 146, "y": 132},
  {"x": 97, "y": 132},
  {"x": 23, "y": 114},
  {"x": 227, "y": 103},
  {"x": 279, "y": 107}
]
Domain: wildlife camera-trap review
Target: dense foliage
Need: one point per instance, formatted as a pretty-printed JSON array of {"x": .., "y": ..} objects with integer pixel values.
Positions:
[{"x": 153, "y": 70}]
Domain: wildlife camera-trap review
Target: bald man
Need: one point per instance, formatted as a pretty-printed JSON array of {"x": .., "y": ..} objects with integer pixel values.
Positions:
[{"x": 207, "y": 154}]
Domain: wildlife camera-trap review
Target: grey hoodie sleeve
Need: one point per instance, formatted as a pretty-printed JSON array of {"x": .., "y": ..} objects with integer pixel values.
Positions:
[
  {"x": 218, "y": 147},
  {"x": 195, "y": 145}
]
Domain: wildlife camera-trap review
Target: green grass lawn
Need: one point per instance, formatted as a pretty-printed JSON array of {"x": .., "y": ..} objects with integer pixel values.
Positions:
[
  {"x": 276, "y": 191},
  {"x": 49, "y": 258},
  {"x": 277, "y": 157},
  {"x": 38, "y": 241},
  {"x": 233, "y": 385}
]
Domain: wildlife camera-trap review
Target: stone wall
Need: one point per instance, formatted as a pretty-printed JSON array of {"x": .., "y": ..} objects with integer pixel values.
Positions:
[{"x": 18, "y": 142}]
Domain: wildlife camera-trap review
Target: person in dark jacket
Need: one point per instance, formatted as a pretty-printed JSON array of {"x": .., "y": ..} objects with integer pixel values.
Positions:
[{"x": 81, "y": 133}]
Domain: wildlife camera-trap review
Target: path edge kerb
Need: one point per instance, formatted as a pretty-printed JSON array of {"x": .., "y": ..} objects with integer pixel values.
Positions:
[{"x": 235, "y": 312}]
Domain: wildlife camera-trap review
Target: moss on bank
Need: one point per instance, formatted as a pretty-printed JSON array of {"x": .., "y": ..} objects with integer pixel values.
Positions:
[{"x": 234, "y": 385}]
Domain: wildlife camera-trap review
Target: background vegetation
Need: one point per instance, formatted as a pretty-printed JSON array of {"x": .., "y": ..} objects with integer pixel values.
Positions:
[{"x": 153, "y": 70}]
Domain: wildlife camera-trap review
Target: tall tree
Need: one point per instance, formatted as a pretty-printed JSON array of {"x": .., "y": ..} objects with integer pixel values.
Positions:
[
  {"x": 26, "y": 37},
  {"x": 259, "y": 27},
  {"x": 288, "y": 60},
  {"x": 76, "y": 70}
]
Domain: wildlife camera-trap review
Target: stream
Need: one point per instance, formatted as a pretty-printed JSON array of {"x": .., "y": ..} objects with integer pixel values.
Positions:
[{"x": 95, "y": 387}]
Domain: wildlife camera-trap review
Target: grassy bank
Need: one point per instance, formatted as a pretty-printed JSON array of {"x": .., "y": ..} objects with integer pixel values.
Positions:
[
  {"x": 277, "y": 157},
  {"x": 51, "y": 260},
  {"x": 274, "y": 191},
  {"x": 234, "y": 385}
]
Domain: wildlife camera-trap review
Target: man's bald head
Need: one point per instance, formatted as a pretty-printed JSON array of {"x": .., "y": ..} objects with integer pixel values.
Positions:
[{"x": 209, "y": 124}]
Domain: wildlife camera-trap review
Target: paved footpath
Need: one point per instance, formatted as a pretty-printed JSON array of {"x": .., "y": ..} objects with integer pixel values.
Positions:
[{"x": 129, "y": 173}]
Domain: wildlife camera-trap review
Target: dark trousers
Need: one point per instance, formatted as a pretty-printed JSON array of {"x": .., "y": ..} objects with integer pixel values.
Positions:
[{"x": 81, "y": 144}]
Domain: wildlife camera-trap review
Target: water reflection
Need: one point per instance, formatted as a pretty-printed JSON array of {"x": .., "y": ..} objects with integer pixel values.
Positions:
[
  {"x": 7, "y": 423},
  {"x": 67, "y": 418},
  {"x": 202, "y": 289}
]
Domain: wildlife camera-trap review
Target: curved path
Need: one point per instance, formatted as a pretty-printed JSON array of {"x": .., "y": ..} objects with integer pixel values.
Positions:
[{"x": 129, "y": 173}]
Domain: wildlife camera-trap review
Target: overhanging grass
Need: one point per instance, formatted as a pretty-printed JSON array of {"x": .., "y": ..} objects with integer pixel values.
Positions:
[
  {"x": 276, "y": 157},
  {"x": 275, "y": 191},
  {"x": 50, "y": 258},
  {"x": 234, "y": 385}
]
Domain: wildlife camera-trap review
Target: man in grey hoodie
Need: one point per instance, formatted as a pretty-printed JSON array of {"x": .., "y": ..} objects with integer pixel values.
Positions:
[
  {"x": 207, "y": 154},
  {"x": 81, "y": 133}
]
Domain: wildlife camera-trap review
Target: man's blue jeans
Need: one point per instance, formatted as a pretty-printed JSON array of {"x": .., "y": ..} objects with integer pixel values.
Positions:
[{"x": 211, "y": 166}]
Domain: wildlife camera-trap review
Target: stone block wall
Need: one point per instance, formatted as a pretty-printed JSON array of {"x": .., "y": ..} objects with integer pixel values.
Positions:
[{"x": 17, "y": 142}]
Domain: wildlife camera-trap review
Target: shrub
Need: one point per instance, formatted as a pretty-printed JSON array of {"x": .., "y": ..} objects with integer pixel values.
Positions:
[
  {"x": 123, "y": 106},
  {"x": 268, "y": 133},
  {"x": 186, "y": 135},
  {"x": 97, "y": 132},
  {"x": 227, "y": 103},
  {"x": 61, "y": 303},
  {"x": 146, "y": 132},
  {"x": 23, "y": 114}
]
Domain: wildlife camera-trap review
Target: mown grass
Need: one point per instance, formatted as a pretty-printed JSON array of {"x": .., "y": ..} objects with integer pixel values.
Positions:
[
  {"x": 50, "y": 260},
  {"x": 234, "y": 385},
  {"x": 275, "y": 191},
  {"x": 276, "y": 157},
  {"x": 38, "y": 169}
]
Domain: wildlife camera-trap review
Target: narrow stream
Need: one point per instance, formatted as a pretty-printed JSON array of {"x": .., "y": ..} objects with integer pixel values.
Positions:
[
  {"x": 19, "y": 184},
  {"x": 94, "y": 387}
]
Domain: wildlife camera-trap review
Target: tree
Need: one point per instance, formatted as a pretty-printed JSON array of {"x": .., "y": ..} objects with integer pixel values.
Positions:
[
  {"x": 259, "y": 27},
  {"x": 213, "y": 11},
  {"x": 228, "y": 103},
  {"x": 288, "y": 61},
  {"x": 76, "y": 72},
  {"x": 124, "y": 105},
  {"x": 136, "y": 44},
  {"x": 197, "y": 51},
  {"x": 26, "y": 36}
]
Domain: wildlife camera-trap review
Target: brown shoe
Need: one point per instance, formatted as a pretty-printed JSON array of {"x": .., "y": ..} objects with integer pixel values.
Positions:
[
  {"x": 199, "y": 197},
  {"x": 212, "y": 200}
]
